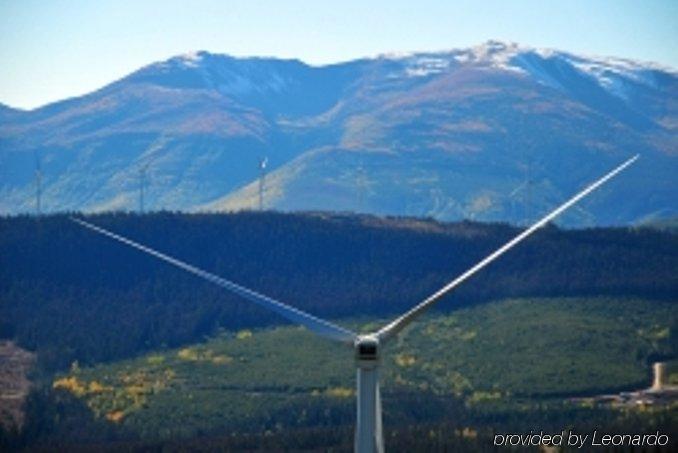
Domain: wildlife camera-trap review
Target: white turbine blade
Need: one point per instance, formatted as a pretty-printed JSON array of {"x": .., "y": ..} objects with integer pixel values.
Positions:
[
  {"x": 401, "y": 322},
  {"x": 317, "y": 325}
]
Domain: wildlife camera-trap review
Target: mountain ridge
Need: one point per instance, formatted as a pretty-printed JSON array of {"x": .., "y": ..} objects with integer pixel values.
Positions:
[{"x": 500, "y": 118}]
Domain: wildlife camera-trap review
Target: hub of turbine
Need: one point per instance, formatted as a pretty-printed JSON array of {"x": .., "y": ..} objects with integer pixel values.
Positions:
[{"x": 367, "y": 351}]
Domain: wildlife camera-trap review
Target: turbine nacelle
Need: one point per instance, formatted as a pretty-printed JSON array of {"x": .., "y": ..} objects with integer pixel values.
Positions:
[{"x": 366, "y": 350}]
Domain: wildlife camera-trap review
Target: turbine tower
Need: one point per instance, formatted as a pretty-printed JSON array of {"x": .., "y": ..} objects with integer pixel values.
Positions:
[
  {"x": 367, "y": 347},
  {"x": 528, "y": 203},
  {"x": 38, "y": 185},
  {"x": 362, "y": 185},
  {"x": 262, "y": 180},
  {"x": 142, "y": 185},
  {"x": 149, "y": 156}
]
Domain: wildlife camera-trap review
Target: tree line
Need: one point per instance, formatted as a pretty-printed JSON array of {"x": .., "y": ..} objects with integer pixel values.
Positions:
[{"x": 71, "y": 294}]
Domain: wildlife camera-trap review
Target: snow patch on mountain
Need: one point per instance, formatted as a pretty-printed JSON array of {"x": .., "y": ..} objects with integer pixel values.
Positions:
[
  {"x": 546, "y": 66},
  {"x": 533, "y": 65},
  {"x": 425, "y": 66},
  {"x": 492, "y": 54},
  {"x": 191, "y": 59},
  {"x": 616, "y": 75}
]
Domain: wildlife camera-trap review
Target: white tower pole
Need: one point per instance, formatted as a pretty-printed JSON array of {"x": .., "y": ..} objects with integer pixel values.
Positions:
[
  {"x": 141, "y": 190},
  {"x": 38, "y": 185},
  {"x": 368, "y": 433},
  {"x": 142, "y": 187},
  {"x": 262, "y": 181},
  {"x": 38, "y": 191}
]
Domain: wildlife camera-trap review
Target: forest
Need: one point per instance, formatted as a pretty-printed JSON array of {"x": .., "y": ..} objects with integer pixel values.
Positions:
[
  {"x": 449, "y": 383},
  {"x": 69, "y": 294},
  {"x": 136, "y": 355}
]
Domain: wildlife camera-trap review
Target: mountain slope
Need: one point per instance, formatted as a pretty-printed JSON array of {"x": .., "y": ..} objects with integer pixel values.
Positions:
[
  {"x": 498, "y": 137},
  {"x": 8, "y": 113},
  {"x": 467, "y": 357},
  {"x": 494, "y": 132}
]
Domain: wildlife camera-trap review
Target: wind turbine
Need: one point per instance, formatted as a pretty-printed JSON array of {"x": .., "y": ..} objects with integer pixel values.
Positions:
[
  {"x": 142, "y": 185},
  {"x": 143, "y": 170},
  {"x": 262, "y": 180},
  {"x": 368, "y": 431},
  {"x": 362, "y": 185},
  {"x": 38, "y": 185}
]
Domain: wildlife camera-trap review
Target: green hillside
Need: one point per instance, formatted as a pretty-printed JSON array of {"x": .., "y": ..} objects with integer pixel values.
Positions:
[
  {"x": 498, "y": 361},
  {"x": 69, "y": 294}
]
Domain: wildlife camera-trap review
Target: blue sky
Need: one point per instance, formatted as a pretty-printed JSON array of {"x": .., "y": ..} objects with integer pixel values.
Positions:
[{"x": 55, "y": 49}]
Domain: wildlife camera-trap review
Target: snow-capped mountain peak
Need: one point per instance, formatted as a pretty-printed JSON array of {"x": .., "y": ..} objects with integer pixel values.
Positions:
[
  {"x": 192, "y": 59},
  {"x": 442, "y": 133}
]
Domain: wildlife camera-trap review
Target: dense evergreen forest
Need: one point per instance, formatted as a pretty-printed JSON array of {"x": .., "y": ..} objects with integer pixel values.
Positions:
[
  {"x": 464, "y": 429},
  {"x": 70, "y": 294},
  {"x": 449, "y": 386}
]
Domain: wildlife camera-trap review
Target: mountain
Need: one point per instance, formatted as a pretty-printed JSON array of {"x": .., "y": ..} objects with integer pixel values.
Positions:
[
  {"x": 494, "y": 132},
  {"x": 7, "y": 113}
]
